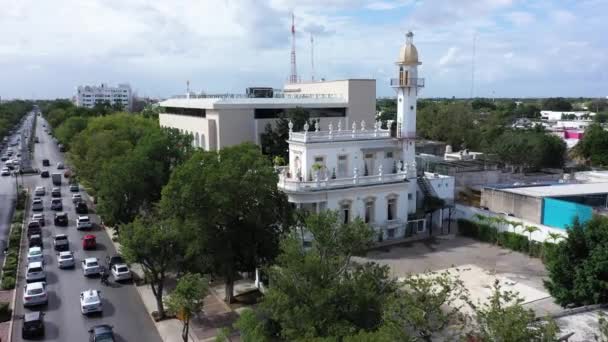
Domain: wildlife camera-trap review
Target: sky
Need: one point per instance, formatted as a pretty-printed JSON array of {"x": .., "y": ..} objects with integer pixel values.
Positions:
[{"x": 519, "y": 48}]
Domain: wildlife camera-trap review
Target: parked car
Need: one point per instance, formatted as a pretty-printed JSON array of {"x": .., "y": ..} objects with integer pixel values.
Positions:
[
  {"x": 37, "y": 204},
  {"x": 90, "y": 301},
  {"x": 81, "y": 208},
  {"x": 83, "y": 222},
  {"x": 76, "y": 198},
  {"x": 35, "y": 294},
  {"x": 35, "y": 254},
  {"x": 56, "y": 204},
  {"x": 45, "y": 174},
  {"x": 60, "y": 166},
  {"x": 89, "y": 241},
  {"x": 61, "y": 242},
  {"x": 67, "y": 174},
  {"x": 61, "y": 148},
  {"x": 121, "y": 272},
  {"x": 65, "y": 259},
  {"x": 56, "y": 192},
  {"x": 40, "y": 191},
  {"x": 40, "y": 218},
  {"x": 90, "y": 266},
  {"x": 33, "y": 227},
  {"x": 101, "y": 333},
  {"x": 5, "y": 171},
  {"x": 46, "y": 162},
  {"x": 114, "y": 259},
  {"x": 33, "y": 325},
  {"x": 74, "y": 188},
  {"x": 35, "y": 240},
  {"x": 61, "y": 219},
  {"x": 35, "y": 272}
]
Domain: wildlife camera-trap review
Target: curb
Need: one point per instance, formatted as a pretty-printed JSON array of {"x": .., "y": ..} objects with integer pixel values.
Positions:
[{"x": 10, "y": 331}]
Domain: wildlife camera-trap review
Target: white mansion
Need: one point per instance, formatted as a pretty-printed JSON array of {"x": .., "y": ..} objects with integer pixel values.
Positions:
[{"x": 364, "y": 170}]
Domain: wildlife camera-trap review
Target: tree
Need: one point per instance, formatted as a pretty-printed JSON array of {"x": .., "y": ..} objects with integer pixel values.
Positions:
[
  {"x": 70, "y": 128},
  {"x": 593, "y": 146},
  {"x": 274, "y": 139},
  {"x": 530, "y": 230},
  {"x": 503, "y": 318},
  {"x": 557, "y": 104},
  {"x": 529, "y": 149},
  {"x": 231, "y": 196},
  {"x": 187, "y": 299},
  {"x": 318, "y": 292},
  {"x": 156, "y": 245},
  {"x": 554, "y": 236},
  {"x": 577, "y": 266},
  {"x": 151, "y": 111}
]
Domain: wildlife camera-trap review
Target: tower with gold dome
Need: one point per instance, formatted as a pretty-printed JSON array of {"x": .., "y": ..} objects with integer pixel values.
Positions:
[{"x": 407, "y": 85}]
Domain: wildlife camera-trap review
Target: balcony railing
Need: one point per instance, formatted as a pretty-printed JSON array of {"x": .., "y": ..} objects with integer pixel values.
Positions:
[
  {"x": 407, "y": 82},
  {"x": 314, "y": 136},
  {"x": 293, "y": 184}
]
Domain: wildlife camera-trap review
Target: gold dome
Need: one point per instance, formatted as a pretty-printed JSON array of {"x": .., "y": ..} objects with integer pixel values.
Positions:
[{"x": 408, "y": 54}]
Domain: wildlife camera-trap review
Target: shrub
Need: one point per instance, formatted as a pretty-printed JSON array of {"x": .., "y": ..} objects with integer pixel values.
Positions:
[
  {"x": 5, "y": 312},
  {"x": 18, "y": 216},
  {"x": 8, "y": 283}
]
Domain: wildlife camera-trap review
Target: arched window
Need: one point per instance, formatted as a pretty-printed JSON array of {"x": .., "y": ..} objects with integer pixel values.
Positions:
[{"x": 197, "y": 141}]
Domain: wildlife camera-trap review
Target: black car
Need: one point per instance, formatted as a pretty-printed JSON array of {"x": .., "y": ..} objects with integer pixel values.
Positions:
[
  {"x": 81, "y": 208},
  {"x": 35, "y": 241},
  {"x": 102, "y": 332},
  {"x": 113, "y": 260},
  {"x": 33, "y": 325},
  {"x": 44, "y": 174},
  {"x": 56, "y": 204},
  {"x": 61, "y": 219},
  {"x": 46, "y": 162}
]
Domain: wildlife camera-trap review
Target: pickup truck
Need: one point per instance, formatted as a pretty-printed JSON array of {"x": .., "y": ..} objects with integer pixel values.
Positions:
[{"x": 56, "y": 178}]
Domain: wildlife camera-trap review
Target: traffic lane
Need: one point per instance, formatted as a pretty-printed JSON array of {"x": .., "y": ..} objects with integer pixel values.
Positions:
[{"x": 122, "y": 305}]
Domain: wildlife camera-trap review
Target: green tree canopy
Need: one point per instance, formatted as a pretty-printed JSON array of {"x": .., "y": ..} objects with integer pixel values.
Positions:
[
  {"x": 187, "y": 299},
  {"x": 530, "y": 149},
  {"x": 593, "y": 147},
  {"x": 274, "y": 139},
  {"x": 557, "y": 104}
]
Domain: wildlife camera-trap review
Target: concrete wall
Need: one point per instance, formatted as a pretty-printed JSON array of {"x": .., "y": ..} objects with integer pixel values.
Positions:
[
  {"x": 442, "y": 185},
  {"x": 235, "y": 126},
  {"x": 187, "y": 124},
  {"x": 524, "y": 207}
]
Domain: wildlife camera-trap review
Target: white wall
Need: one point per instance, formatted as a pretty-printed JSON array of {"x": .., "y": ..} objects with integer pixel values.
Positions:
[
  {"x": 187, "y": 124},
  {"x": 443, "y": 185}
]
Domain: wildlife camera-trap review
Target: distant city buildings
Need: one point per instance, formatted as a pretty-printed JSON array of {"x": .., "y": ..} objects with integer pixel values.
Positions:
[{"x": 87, "y": 96}]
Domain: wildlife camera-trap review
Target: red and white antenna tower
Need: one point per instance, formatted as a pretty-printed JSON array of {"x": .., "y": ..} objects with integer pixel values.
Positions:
[{"x": 293, "y": 78}]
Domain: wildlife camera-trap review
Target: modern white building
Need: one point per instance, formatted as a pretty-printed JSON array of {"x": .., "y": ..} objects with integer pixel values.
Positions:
[
  {"x": 551, "y": 115},
  {"x": 365, "y": 171},
  {"x": 216, "y": 121},
  {"x": 88, "y": 96}
]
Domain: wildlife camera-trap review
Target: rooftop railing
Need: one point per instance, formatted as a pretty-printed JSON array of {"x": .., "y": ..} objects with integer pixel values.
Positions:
[
  {"x": 290, "y": 184},
  {"x": 407, "y": 82},
  {"x": 245, "y": 96},
  {"x": 357, "y": 132}
]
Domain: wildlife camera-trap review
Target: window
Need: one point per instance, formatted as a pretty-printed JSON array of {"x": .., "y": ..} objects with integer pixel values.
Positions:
[
  {"x": 388, "y": 155},
  {"x": 391, "y": 233},
  {"x": 368, "y": 169},
  {"x": 200, "y": 112},
  {"x": 369, "y": 211},
  {"x": 319, "y": 160},
  {"x": 345, "y": 210},
  {"x": 391, "y": 209},
  {"x": 342, "y": 166},
  {"x": 409, "y": 196}
]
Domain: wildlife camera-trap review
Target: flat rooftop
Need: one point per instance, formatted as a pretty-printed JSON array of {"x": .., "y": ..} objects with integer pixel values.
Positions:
[
  {"x": 558, "y": 190},
  {"x": 231, "y": 101}
]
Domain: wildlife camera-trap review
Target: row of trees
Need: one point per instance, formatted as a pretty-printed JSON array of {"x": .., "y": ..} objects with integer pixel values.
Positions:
[{"x": 10, "y": 114}]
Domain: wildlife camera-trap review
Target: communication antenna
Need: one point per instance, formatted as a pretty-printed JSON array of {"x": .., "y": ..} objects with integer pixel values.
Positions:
[
  {"x": 473, "y": 65},
  {"x": 188, "y": 88},
  {"x": 312, "y": 58},
  {"x": 293, "y": 78}
]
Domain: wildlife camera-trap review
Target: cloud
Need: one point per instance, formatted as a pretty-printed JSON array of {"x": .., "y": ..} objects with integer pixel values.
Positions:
[
  {"x": 520, "y": 18},
  {"x": 387, "y": 5}
]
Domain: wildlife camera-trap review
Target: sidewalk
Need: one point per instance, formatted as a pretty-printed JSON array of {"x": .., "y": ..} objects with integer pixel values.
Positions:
[{"x": 204, "y": 327}]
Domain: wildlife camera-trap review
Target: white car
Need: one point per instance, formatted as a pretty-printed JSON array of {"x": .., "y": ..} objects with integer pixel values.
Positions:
[
  {"x": 35, "y": 294},
  {"x": 35, "y": 272},
  {"x": 83, "y": 222},
  {"x": 6, "y": 171},
  {"x": 40, "y": 191},
  {"x": 40, "y": 218},
  {"x": 90, "y": 266},
  {"x": 76, "y": 198},
  {"x": 90, "y": 301},
  {"x": 35, "y": 254},
  {"x": 37, "y": 204},
  {"x": 65, "y": 259},
  {"x": 60, "y": 166},
  {"x": 121, "y": 272}
]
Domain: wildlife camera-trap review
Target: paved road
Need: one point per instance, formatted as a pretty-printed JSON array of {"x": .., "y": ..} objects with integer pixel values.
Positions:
[{"x": 123, "y": 307}]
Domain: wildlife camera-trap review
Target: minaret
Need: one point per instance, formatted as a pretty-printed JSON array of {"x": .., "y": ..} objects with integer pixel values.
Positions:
[{"x": 407, "y": 85}]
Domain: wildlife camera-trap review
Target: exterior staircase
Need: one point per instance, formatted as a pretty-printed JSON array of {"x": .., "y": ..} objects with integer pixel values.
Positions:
[{"x": 426, "y": 187}]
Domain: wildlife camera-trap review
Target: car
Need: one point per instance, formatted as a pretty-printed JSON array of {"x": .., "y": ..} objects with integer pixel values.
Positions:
[
  {"x": 61, "y": 148},
  {"x": 83, "y": 222},
  {"x": 89, "y": 241},
  {"x": 37, "y": 204},
  {"x": 35, "y": 254},
  {"x": 18, "y": 155},
  {"x": 4, "y": 158},
  {"x": 56, "y": 192},
  {"x": 5, "y": 171},
  {"x": 56, "y": 204},
  {"x": 40, "y": 218},
  {"x": 60, "y": 166},
  {"x": 35, "y": 294},
  {"x": 90, "y": 266},
  {"x": 81, "y": 208},
  {"x": 61, "y": 219},
  {"x": 101, "y": 333},
  {"x": 46, "y": 162},
  {"x": 35, "y": 240},
  {"x": 40, "y": 191},
  {"x": 65, "y": 259},
  {"x": 76, "y": 198},
  {"x": 37, "y": 140},
  {"x": 35, "y": 272},
  {"x": 33, "y": 227},
  {"x": 114, "y": 259},
  {"x": 33, "y": 325},
  {"x": 74, "y": 188},
  {"x": 90, "y": 301},
  {"x": 61, "y": 242},
  {"x": 121, "y": 272},
  {"x": 45, "y": 174},
  {"x": 67, "y": 174}
]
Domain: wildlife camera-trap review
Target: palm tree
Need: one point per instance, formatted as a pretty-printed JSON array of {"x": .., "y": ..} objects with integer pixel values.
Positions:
[
  {"x": 480, "y": 218},
  {"x": 554, "y": 236},
  {"x": 530, "y": 230},
  {"x": 515, "y": 224}
]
